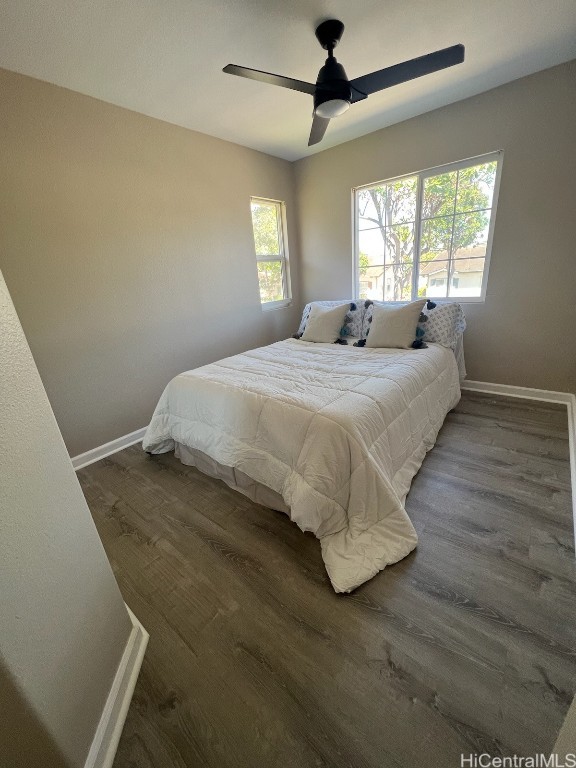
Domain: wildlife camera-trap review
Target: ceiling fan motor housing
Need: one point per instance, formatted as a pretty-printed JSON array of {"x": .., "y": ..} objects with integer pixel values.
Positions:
[{"x": 332, "y": 83}]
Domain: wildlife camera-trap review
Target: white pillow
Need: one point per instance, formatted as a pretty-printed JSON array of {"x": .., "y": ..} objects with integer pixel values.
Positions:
[
  {"x": 394, "y": 326},
  {"x": 352, "y": 328},
  {"x": 324, "y": 324}
]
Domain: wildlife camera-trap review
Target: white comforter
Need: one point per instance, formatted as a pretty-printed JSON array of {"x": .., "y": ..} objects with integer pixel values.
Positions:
[{"x": 338, "y": 431}]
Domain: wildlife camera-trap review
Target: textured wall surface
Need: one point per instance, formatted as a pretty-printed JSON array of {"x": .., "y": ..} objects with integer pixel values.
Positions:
[
  {"x": 523, "y": 333},
  {"x": 127, "y": 247},
  {"x": 64, "y": 625}
]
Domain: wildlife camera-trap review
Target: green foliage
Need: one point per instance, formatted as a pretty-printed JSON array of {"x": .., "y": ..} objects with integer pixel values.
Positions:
[
  {"x": 394, "y": 210},
  {"x": 452, "y": 217},
  {"x": 270, "y": 281},
  {"x": 266, "y": 225},
  {"x": 456, "y": 200}
]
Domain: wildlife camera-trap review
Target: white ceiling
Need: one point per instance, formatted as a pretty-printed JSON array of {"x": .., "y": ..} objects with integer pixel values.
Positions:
[{"x": 164, "y": 58}]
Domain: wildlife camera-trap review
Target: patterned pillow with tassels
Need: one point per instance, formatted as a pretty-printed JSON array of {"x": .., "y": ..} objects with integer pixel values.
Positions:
[{"x": 442, "y": 323}]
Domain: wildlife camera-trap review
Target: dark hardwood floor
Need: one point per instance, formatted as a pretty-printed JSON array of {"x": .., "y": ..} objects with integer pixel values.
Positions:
[{"x": 468, "y": 645}]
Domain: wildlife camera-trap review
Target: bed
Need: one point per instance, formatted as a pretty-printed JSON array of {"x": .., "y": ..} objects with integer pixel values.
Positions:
[{"x": 331, "y": 434}]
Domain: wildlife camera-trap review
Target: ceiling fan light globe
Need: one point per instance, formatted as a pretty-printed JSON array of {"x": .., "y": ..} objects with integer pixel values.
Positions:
[{"x": 332, "y": 108}]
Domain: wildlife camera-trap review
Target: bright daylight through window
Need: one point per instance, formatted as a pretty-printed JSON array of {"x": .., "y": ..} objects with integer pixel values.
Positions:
[
  {"x": 428, "y": 234},
  {"x": 268, "y": 222}
]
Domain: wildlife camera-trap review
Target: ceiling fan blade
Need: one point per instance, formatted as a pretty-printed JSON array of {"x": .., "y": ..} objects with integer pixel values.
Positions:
[
  {"x": 268, "y": 77},
  {"x": 319, "y": 125},
  {"x": 407, "y": 70},
  {"x": 356, "y": 95}
]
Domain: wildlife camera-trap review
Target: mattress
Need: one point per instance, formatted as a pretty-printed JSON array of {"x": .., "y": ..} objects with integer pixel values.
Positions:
[{"x": 336, "y": 432}]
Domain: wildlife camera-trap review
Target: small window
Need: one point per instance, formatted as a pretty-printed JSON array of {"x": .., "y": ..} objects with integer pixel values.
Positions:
[
  {"x": 427, "y": 234},
  {"x": 269, "y": 225}
]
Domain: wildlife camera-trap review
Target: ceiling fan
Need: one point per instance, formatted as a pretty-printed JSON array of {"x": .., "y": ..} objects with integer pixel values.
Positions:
[{"x": 333, "y": 92}]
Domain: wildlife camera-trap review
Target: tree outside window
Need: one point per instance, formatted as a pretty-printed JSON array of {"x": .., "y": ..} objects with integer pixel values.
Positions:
[
  {"x": 415, "y": 233},
  {"x": 268, "y": 227}
]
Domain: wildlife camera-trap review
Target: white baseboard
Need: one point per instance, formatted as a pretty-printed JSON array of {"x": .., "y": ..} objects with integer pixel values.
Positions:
[
  {"x": 547, "y": 396},
  {"x": 511, "y": 390},
  {"x": 83, "y": 459},
  {"x": 105, "y": 742}
]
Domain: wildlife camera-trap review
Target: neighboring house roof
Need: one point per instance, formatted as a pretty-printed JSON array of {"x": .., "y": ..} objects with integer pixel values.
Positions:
[{"x": 467, "y": 260}]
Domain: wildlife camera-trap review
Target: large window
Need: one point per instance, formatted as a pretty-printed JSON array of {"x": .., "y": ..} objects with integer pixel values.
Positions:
[
  {"x": 268, "y": 222},
  {"x": 427, "y": 234}
]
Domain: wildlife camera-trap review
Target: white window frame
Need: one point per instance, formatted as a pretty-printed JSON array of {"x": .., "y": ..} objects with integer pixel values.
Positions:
[
  {"x": 497, "y": 156},
  {"x": 281, "y": 257}
]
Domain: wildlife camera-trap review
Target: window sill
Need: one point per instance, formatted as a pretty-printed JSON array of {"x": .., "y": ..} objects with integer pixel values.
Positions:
[
  {"x": 435, "y": 299},
  {"x": 270, "y": 305},
  {"x": 457, "y": 299}
]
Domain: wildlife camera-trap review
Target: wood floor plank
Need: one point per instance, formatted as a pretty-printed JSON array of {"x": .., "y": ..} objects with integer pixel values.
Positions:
[{"x": 466, "y": 645}]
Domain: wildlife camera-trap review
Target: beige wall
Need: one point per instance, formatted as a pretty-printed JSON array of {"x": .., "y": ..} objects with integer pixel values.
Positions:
[
  {"x": 63, "y": 625},
  {"x": 524, "y": 333},
  {"x": 126, "y": 244},
  {"x": 118, "y": 232}
]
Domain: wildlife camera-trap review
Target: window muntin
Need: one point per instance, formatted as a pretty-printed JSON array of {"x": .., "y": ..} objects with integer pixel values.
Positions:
[
  {"x": 268, "y": 224},
  {"x": 427, "y": 234}
]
